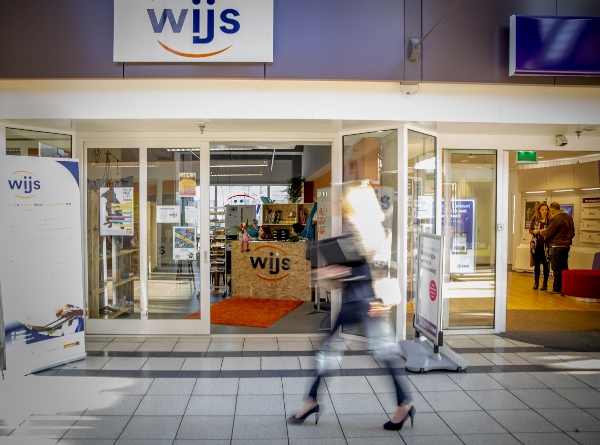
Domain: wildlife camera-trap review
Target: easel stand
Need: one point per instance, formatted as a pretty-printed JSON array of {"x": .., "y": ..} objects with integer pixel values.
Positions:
[{"x": 421, "y": 356}]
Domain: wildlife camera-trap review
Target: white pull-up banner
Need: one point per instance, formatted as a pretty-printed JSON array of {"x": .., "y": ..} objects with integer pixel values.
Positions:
[{"x": 41, "y": 262}]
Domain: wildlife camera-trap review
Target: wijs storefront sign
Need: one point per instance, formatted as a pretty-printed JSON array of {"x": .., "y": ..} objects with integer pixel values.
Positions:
[
  {"x": 193, "y": 31},
  {"x": 41, "y": 262}
]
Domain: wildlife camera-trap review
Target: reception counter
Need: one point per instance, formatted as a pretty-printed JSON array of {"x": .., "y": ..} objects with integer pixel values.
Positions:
[{"x": 271, "y": 269}]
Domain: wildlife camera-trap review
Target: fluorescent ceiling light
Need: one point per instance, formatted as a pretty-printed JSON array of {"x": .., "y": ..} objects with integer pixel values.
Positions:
[
  {"x": 239, "y": 164},
  {"x": 230, "y": 149},
  {"x": 425, "y": 164},
  {"x": 592, "y": 188},
  {"x": 183, "y": 149},
  {"x": 565, "y": 190},
  {"x": 123, "y": 164},
  {"x": 537, "y": 191},
  {"x": 236, "y": 174}
]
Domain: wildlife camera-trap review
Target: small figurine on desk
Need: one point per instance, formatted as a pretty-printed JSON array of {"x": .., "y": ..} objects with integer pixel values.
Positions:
[{"x": 245, "y": 238}]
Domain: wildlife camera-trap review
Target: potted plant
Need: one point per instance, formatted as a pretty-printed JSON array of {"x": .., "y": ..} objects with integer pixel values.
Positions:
[{"x": 295, "y": 187}]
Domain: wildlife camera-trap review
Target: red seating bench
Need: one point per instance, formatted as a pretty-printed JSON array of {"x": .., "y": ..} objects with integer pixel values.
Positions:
[{"x": 582, "y": 284}]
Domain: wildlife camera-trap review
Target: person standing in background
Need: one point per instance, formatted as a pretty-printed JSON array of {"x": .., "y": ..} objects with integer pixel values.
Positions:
[
  {"x": 253, "y": 231},
  {"x": 539, "y": 248},
  {"x": 559, "y": 235}
]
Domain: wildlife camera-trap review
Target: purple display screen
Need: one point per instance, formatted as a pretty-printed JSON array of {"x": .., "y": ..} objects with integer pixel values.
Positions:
[{"x": 554, "y": 46}]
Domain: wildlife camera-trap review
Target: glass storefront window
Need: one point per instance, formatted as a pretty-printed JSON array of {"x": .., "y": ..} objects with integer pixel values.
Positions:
[
  {"x": 37, "y": 143},
  {"x": 113, "y": 233}
]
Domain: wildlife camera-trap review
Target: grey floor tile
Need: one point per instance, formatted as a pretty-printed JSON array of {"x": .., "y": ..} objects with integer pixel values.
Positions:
[
  {"x": 558, "y": 380},
  {"x": 163, "y": 364},
  {"x": 226, "y": 346},
  {"x": 95, "y": 345},
  {"x": 191, "y": 347},
  {"x": 271, "y": 363},
  {"x": 541, "y": 398},
  {"x": 541, "y": 358},
  {"x": 152, "y": 405},
  {"x": 505, "y": 358},
  {"x": 300, "y": 385},
  {"x": 152, "y": 427},
  {"x": 475, "y": 381},
  {"x": 293, "y": 403},
  {"x": 226, "y": 339},
  {"x": 425, "y": 424},
  {"x": 328, "y": 427},
  {"x": 591, "y": 378},
  {"x": 586, "y": 438},
  {"x": 321, "y": 441},
  {"x": 122, "y": 346},
  {"x": 497, "y": 399},
  {"x": 296, "y": 346},
  {"x": 516, "y": 380},
  {"x": 472, "y": 422},
  {"x": 261, "y": 346},
  {"x": 258, "y": 442},
  {"x": 99, "y": 427},
  {"x": 107, "y": 404},
  {"x": 262, "y": 386},
  {"x": 523, "y": 421},
  {"x": 195, "y": 339},
  {"x": 356, "y": 404},
  {"x": 89, "y": 362},
  {"x": 216, "y": 387},
  {"x": 130, "y": 339},
  {"x": 476, "y": 359},
  {"x": 156, "y": 347},
  {"x": 496, "y": 342},
  {"x": 142, "y": 442},
  {"x": 211, "y": 406},
  {"x": 463, "y": 344},
  {"x": 202, "y": 364},
  {"x": 545, "y": 439},
  {"x": 571, "y": 419},
  {"x": 384, "y": 383},
  {"x": 259, "y": 405},
  {"x": 358, "y": 362},
  {"x": 125, "y": 363},
  {"x": 128, "y": 386},
  {"x": 241, "y": 364},
  {"x": 489, "y": 439},
  {"x": 390, "y": 403},
  {"x": 308, "y": 362},
  {"x": 205, "y": 427},
  {"x": 365, "y": 425},
  {"x": 354, "y": 345},
  {"x": 82, "y": 442},
  {"x": 348, "y": 385},
  {"x": 32, "y": 431},
  {"x": 172, "y": 387},
  {"x": 446, "y": 439},
  {"x": 451, "y": 401},
  {"x": 583, "y": 398},
  {"x": 433, "y": 382},
  {"x": 259, "y": 427}
]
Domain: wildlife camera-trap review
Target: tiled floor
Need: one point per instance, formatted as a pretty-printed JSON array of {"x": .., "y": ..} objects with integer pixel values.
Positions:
[{"x": 235, "y": 390}]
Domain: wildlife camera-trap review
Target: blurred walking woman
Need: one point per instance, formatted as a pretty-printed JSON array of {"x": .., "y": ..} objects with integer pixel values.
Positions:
[{"x": 539, "y": 249}]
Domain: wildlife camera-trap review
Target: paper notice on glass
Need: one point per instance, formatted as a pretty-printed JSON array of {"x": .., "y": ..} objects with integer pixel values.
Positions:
[
  {"x": 187, "y": 184},
  {"x": 191, "y": 214},
  {"x": 167, "y": 214},
  {"x": 184, "y": 243}
]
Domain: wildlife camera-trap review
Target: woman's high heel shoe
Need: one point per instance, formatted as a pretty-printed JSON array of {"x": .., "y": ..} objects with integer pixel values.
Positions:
[
  {"x": 398, "y": 426},
  {"x": 299, "y": 420}
]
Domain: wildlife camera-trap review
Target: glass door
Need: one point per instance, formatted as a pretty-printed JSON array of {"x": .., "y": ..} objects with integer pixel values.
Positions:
[{"x": 469, "y": 225}]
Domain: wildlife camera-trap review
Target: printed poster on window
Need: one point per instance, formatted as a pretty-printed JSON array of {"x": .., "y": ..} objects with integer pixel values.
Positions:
[
  {"x": 184, "y": 243},
  {"x": 41, "y": 269},
  {"x": 168, "y": 215},
  {"x": 116, "y": 211},
  {"x": 462, "y": 235},
  {"x": 187, "y": 184}
]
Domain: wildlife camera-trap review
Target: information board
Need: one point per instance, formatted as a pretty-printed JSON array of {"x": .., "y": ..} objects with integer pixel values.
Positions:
[{"x": 430, "y": 274}]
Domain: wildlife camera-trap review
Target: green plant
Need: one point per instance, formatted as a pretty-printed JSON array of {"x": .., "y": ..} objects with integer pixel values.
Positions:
[{"x": 295, "y": 186}]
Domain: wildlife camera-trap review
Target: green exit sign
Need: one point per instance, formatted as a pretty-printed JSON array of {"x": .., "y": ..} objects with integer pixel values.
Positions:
[{"x": 527, "y": 157}]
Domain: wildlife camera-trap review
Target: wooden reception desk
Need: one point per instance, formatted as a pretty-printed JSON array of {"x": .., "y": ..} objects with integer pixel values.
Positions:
[{"x": 272, "y": 269}]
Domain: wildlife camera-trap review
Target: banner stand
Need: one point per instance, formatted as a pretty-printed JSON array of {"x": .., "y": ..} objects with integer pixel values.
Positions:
[{"x": 420, "y": 354}]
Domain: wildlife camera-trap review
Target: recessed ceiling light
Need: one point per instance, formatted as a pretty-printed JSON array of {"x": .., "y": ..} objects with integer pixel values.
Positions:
[
  {"x": 565, "y": 190},
  {"x": 592, "y": 188},
  {"x": 465, "y": 160},
  {"x": 471, "y": 156},
  {"x": 537, "y": 191}
]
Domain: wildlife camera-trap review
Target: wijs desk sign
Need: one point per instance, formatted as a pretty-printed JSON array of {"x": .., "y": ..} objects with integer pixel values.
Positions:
[
  {"x": 193, "y": 31},
  {"x": 554, "y": 46}
]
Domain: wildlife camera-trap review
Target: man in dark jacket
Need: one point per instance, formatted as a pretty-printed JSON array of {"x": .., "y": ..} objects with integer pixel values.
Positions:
[{"x": 559, "y": 235}]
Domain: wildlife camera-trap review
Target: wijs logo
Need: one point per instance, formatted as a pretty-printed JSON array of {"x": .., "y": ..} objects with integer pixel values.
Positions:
[
  {"x": 193, "y": 30},
  {"x": 23, "y": 184},
  {"x": 270, "y": 263}
]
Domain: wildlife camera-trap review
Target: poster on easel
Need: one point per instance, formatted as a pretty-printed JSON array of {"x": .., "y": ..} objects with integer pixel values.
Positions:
[
  {"x": 116, "y": 211},
  {"x": 41, "y": 262},
  {"x": 184, "y": 243},
  {"x": 428, "y": 308}
]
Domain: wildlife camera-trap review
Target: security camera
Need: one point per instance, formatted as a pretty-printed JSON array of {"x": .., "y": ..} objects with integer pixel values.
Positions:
[{"x": 561, "y": 140}]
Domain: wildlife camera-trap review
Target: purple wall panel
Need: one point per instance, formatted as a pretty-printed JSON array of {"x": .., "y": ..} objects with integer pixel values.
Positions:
[
  {"x": 57, "y": 39},
  {"x": 471, "y": 44},
  {"x": 194, "y": 70},
  {"x": 338, "y": 39}
]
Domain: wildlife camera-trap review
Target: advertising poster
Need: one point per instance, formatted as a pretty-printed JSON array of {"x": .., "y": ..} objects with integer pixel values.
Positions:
[
  {"x": 187, "y": 184},
  {"x": 116, "y": 211},
  {"x": 429, "y": 286},
  {"x": 568, "y": 208},
  {"x": 168, "y": 215},
  {"x": 184, "y": 243},
  {"x": 462, "y": 235},
  {"x": 41, "y": 262}
]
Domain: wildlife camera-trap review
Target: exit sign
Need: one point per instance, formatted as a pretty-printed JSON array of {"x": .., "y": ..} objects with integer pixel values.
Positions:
[{"x": 527, "y": 157}]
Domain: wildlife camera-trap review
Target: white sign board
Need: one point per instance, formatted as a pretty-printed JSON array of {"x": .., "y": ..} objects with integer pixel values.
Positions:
[
  {"x": 429, "y": 286},
  {"x": 168, "y": 214},
  {"x": 193, "y": 31},
  {"x": 41, "y": 262}
]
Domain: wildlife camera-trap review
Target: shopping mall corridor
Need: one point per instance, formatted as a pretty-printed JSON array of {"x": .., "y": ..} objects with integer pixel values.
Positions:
[{"x": 239, "y": 390}]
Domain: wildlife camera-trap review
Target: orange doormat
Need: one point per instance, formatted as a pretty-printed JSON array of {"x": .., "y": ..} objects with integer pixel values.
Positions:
[{"x": 246, "y": 311}]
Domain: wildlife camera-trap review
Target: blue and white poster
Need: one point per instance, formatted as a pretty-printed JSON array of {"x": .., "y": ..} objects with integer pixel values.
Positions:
[
  {"x": 41, "y": 262},
  {"x": 462, "y": 235}
]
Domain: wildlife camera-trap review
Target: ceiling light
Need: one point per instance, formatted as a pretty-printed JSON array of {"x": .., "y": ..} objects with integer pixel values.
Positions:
[
  {"x": 592, "y": 188},
  {"x": 236, "y": 174},
  {"x": 465, "y": 160},
  {"x": 537, "y": 191},
  {"x": 471, "y": 156},
  {"x": 183, "y": 149},
  {"x": 540, "y": 157},
  {"x": 240, "y": 164},
  {"x": 565, "y": 190},
  {"x": 230, "y": 149},
  {"x": 123, "y": 164}
]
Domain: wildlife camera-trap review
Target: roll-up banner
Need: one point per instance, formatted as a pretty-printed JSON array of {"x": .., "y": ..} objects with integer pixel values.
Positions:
[
  {"x": 41, "y": 262},
  {"x": 428, "y": 308}
]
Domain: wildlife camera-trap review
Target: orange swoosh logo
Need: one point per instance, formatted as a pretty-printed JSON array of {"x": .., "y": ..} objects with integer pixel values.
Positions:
[
  {"x": 272, "y": 279},
  {"x": 195, "y": 56}
]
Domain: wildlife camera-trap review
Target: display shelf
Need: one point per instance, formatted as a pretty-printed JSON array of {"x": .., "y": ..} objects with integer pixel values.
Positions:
[
  {"x": 285, "y": 215},
  {"x": 218, "y": 257}
]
